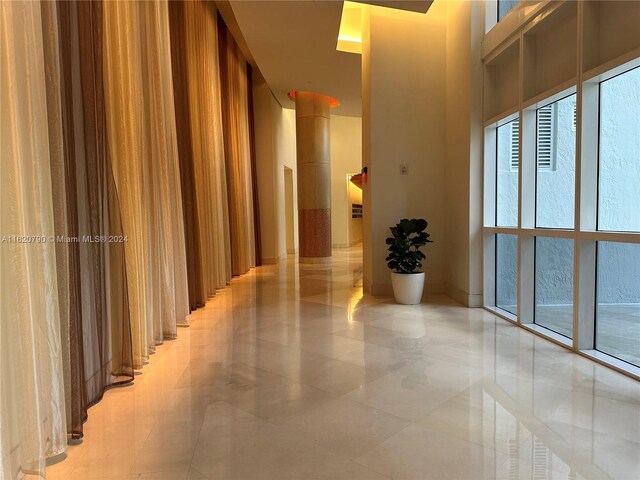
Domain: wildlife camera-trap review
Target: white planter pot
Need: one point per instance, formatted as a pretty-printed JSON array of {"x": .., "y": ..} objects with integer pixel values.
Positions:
[{"x": 407, "y": 287}]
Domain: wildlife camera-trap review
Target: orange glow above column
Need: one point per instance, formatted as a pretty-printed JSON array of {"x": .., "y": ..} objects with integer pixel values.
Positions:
[{"x": 333, "y": 103}]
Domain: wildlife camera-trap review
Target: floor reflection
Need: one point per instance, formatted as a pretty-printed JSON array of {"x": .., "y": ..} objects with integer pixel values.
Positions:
[{"x": 293, "y": 372}]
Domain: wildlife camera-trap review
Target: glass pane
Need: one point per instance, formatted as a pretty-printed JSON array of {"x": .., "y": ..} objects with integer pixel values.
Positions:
[
  {"x": 507, "y": 272},
  {"x": 618, "y": 301},
  {"x": 619, "y": 166},
  {"x": 556, "y": 164},
  {"x": 507, "y": 176},
  {"x": 554, "y": 284},
  {"x": 504, "y": 7}
]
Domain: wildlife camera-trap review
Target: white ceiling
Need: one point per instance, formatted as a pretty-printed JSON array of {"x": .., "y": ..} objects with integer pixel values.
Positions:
[{"x": 293, "y": 44}]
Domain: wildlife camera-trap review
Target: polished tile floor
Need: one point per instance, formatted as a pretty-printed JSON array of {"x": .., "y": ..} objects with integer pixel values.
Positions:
[{"x": 293, "y": 374}]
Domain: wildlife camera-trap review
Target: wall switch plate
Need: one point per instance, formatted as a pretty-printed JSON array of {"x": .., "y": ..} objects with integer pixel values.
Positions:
[{"x": 403, "y": 169}]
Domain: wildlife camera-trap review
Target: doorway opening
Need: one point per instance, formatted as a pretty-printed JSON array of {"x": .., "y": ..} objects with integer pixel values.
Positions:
[{"x": 289, "y": 210}]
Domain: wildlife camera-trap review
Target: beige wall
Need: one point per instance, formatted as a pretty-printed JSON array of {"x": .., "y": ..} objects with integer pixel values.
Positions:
[
  {"x": 346, "y": 158},
  {"x": 404, "y": 123},
  {"x": 275, "y": 149},
  {"x": 425, "y": 114},
  {"x": 285, "y": 119},
  {"x": 464, "y": 137},
  {"x": 265, "y": 167}
]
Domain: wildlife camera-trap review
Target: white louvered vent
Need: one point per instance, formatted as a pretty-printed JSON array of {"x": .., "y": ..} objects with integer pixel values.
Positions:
[
  {"x": 515, "y": 138},
  {"x": 545, "y": 152}
]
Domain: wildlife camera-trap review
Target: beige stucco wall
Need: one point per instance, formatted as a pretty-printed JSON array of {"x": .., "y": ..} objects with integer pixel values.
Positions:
[
  {"x": 464, "y": 140},
  {"x": 404, "y": 123}
]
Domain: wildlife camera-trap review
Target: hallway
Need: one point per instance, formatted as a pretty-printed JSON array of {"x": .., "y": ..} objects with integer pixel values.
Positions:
[{"x": 293, "y": 373}]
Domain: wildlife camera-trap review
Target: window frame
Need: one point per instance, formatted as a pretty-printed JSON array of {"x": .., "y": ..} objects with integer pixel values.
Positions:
[{"x": 584, "y": 234}]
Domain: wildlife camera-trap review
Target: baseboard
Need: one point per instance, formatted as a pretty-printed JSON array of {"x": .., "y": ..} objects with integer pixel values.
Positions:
[
  {"x": 345, "y": 245},
  {"x": 366, "y": 285},
  {"x": 274, "y": 261},
  {"x": 471, "y": 300},
  {"x": 381, "y": 290}
]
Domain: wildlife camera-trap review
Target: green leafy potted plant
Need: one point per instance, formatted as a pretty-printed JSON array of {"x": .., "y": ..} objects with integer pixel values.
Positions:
[{"x": 405, "y": 259}]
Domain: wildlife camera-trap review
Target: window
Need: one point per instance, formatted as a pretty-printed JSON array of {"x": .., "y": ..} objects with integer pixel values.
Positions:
[
  {"x": 507, "y": 272},
  {"x": 619, "y": 153},
  {"x": 554, "y": 284},
  {"x": 556, "y": 161},
  {"x": 504, "y": 7},
  {"x": 506, "y": 176},
  {"x": 618, "y": 301},
  {"x": 562, "y": 175}
]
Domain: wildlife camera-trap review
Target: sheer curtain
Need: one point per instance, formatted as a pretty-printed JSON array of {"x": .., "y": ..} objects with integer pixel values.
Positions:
[
  {"x": 64, "y": 215},
  {"x": 95, "y": 299},
  {"x": 199, "y": 123},
  {"x": 32, "y": 406},
  {"x": 162, "y": 163},
  {"x": 142, "y": 142},
  {"x": 235, "y": 120},
  {"x": 185, "y": 150},
  {"x": 207, "y": 139}
]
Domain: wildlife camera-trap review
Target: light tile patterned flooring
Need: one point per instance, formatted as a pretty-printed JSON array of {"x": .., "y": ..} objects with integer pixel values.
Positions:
[{"x": 293, "y": 373}]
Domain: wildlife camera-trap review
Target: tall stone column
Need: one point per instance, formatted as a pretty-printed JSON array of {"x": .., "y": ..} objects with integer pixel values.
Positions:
[{"x": 314, "y": 175}]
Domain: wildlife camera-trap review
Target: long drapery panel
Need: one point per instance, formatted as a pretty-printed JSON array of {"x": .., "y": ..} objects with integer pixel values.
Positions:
[
  {"x": 142, "y": 142},
  {"x": 185, "y": 151},
  {"x": 254, "y": 169},
  {"x": 235, "y": 120},
  {"x": 65, "y": 221},
  {"x": 198, "y": 112},
  {"x": 32, "y": 405},
  {"x": 105, "y": 294},
  {"x": 126, "y": 158},
  {"x": 207, "y": 139},
  {"x": 124, "y": 110},
  {"x": 88, "y": 215},
  {"x": 162, "y": 164}
]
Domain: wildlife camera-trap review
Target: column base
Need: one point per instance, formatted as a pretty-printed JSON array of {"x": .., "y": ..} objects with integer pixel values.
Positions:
[{"x": 314, "y": 260}]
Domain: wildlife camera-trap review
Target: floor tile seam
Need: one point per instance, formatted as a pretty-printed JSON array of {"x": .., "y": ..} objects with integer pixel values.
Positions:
[
  {"x": 191, "y": 467},
  {"x": 282, "y": 377},
  {"x": 633, "y": 401},
  {"x": 193, "y": 453},
  {"x": 291, "y": 378},
  {"x": 291, "y": 346},
  {"x": 283, "y": 420},
  {"x": 348, "y": 399},
  {"x": 399, "y": 334},
  {"x": 415, "y": 425},
  {"x": 519, "y": 441},
  {"x": 362, "y": 402},
  {"x": 373, "y": 470},
  {"x": 139, "y": 453},
  {"x": 612, "y": 435},
  {"x": 628, "y": 400},
  {"x": 328, "y": 359},
  {"x": 349, "y": 338}
]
